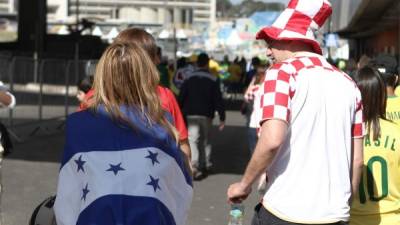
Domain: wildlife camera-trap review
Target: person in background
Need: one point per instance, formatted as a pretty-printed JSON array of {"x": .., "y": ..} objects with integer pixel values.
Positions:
[
  {"x": 252, "y": 99},
  {"x": 214, "y": 67},
  {"x": 162, "y": 67},
  {"x": 168, "y": 101},
  {"x": 7, "y": 100},
  {"x": 172, "y": 67},
  {"x": 243, "y": 64},
  {"x": 351, "y": 67},
  {"x": 387, "y": 66},
  {"x": 183, "y": 71},
  {"x": 255, "y": 62},
  {"x": 311, "y": 136},
  {"x": 121, "y": 162},
  {"x": 224, "y": 66},
  {"x": 85, "y": 92},
  {"x": 199, "y": 98},
  {"x": 363, "y": 61},
  {"x": 235, "y": 71},
  {"x": 377, "y": 201}
]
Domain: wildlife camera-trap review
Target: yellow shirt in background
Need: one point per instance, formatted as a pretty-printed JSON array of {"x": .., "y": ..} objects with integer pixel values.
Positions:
[
  {"x": 214, "y": 67},
  {"x": 378, "y": 200},
  {"x": 235, "y": 71},
  {"x": 393, "y": 109}
]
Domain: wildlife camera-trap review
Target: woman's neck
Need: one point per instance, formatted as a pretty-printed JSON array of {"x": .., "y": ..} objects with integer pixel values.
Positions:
[{"x": 390, "y": 91}]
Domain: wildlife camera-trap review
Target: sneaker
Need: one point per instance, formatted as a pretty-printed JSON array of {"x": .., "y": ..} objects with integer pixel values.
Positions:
[
  {"x": 209, "y": 170},
  {"x": 199, "y": 175}
]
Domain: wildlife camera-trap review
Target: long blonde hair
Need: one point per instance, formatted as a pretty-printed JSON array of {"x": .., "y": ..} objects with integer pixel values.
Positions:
[{"x": 126, "y": 76}]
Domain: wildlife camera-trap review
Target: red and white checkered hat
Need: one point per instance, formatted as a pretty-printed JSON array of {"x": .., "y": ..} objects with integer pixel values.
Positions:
[{"x": 298, "y": 22}]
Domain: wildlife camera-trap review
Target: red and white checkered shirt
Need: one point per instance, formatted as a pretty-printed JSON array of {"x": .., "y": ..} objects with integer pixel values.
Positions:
[
  {"x": 309, "y": 180},
  {"x": 280, "y": 87}
]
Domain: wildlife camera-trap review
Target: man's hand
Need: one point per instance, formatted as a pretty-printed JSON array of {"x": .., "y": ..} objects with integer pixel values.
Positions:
[
  {"x": 237, "y": 192},
  {"x": 273, "y": 134},
  {"x": 221, "y": 125},
  {"x": 5, "y": 99}
]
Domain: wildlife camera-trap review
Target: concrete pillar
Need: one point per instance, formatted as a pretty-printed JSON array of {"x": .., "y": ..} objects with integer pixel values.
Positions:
[
  {"x": 168, "y": 16},
  {"x": 161, "y": 15},
  {"x": 213, "y": 12},
  {"x": 11, "y": 5},
  {"x": 177, "y": 17},
  {"x": 188, "y": 17},
  {"x": 148, "y": 15},
  {"x": 131, "y": 14}
]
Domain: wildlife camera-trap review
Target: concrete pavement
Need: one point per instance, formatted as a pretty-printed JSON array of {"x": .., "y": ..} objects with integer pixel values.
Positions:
[{"x": 30, "y": 176}]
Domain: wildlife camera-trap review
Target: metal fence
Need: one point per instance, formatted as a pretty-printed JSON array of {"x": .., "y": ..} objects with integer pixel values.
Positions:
[{"x": 45, "y": 89}]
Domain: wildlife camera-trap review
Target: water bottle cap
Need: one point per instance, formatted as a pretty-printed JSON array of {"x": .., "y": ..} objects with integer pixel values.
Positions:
[{"x": 236, "y": 213}]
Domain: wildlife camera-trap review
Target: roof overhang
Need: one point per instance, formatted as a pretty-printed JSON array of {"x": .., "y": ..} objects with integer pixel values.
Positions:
[{"x": 373, "y": 16}]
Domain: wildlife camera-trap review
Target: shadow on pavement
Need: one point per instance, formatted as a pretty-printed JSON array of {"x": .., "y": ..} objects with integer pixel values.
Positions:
[
  {"x": 42, "y": 148},
  {"x": 230, "y": 153}
]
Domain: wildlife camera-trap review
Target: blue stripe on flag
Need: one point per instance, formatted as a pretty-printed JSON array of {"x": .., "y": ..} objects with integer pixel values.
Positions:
[{"x": 127, "y": 210}]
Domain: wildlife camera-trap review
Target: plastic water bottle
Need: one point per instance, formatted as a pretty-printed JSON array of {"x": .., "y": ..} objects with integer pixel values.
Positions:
[{"x": 236, "y": 214}]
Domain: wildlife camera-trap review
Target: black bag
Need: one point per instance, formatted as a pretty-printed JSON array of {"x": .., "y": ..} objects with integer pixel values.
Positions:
[
  {"x": 5, "y": 140},
  {"x": 244, "y": 108},
  {"x": 44, "y": 213}
]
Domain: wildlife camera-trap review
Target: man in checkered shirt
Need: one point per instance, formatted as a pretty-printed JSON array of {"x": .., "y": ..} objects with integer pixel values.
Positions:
[{"x": 311, "y": 134}]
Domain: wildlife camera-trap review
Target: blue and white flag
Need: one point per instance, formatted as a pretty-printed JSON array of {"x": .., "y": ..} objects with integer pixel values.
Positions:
[{"x": 114, "y": 175}]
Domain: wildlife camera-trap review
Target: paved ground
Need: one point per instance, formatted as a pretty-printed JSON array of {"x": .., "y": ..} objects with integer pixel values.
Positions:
[{"x": 30, "y": 175}]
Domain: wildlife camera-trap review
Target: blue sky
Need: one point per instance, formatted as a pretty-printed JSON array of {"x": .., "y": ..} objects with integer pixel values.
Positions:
[{"x": 283, "y": 1}]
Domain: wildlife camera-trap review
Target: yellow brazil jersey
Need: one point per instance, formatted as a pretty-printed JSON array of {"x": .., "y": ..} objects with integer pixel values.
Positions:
[
  {"x": 378, "y": 200},
  {"x": 393, "y": 108},
  {"x": 397, "y": 91}
]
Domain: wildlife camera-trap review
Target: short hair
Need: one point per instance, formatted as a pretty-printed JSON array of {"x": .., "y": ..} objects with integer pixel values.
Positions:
[
  {"x": 387, "y": 66},
  {"x": 255, "y": 61},
  {"x": 202, "y": 60},
  {"x": 364, "y": 61},
  {"x": 141, "y": 37}
]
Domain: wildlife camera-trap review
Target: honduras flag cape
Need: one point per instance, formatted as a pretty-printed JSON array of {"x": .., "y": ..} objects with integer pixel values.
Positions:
[{"x": 114, "y": 175}]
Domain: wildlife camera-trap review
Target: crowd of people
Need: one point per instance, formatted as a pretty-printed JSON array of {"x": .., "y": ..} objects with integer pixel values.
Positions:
[{"x": 323, "y": 143}]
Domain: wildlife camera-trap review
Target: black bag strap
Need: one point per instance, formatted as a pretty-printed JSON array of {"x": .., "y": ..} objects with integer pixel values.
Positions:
[
  {"x": 48, "y": 203},
  {"x": 5, "y": 140}
]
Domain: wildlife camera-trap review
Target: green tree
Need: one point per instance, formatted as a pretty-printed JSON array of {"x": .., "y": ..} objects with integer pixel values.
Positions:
[{"x": 223, "y": 7}]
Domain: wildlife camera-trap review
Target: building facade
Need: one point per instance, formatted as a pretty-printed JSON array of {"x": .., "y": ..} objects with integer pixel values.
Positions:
[
  {"x": 8, "y": 6},
  {"x": 182, "y": 13},
  {"x": 343, "y": 12},
  {"x": 374, "y": 29}
]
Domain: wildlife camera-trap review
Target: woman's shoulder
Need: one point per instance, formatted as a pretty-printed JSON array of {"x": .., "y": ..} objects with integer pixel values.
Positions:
[
  {"x": 84, "y": 114},
  {"x": 86, "y": 119}
]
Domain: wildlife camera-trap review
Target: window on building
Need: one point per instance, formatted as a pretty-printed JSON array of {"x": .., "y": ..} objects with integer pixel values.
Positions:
[{"x": 8, "y": 20}]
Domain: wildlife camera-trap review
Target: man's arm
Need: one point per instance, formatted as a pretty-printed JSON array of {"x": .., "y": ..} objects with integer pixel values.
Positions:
[
  {"x": 273, "y": 134},
  {"x": 7, "y": 99},
  {"x": 357, "y": 163}
]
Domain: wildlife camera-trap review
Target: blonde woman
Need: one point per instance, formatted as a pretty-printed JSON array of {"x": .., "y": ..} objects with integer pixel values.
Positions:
[
  {"x": 167, "y": 98},
  {"x": 121, "y": 163}
]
